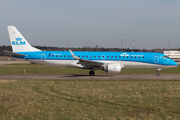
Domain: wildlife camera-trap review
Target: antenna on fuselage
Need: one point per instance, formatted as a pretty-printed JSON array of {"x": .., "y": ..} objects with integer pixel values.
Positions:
[
  {"x": 168, "y": 48},
  {"x": 133, "y": 45}
]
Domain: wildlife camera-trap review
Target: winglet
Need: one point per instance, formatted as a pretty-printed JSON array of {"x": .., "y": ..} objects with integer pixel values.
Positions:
[{"x": 74, "y": 56}]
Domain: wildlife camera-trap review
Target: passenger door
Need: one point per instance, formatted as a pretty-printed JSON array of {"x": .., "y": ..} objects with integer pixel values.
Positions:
[
  {"x": 156, "y": 59},
  {"x": 43, "y": 57}
]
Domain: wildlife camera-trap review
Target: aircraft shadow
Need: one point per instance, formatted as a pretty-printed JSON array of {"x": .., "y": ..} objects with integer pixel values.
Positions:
[{"x": 82, "y": 75}]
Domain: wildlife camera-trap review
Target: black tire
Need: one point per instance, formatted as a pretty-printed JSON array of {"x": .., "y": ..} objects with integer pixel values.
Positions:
[
  {"x": 158, "y": 74},
  {"x": 91, "y": 73}
]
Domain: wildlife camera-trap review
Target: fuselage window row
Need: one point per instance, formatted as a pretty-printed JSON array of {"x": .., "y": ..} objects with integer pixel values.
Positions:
[{"x": 98, "y": 56}]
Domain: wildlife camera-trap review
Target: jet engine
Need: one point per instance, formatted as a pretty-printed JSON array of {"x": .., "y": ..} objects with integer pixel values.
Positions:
[{"x": 112, "y": 68}]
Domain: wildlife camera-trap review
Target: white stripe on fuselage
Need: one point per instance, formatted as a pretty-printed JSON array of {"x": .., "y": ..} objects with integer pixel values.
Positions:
[{"x": 73, "y": 63}]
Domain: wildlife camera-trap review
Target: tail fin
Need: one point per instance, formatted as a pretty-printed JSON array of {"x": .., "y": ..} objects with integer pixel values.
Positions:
[{"x": 18, "y": 42}]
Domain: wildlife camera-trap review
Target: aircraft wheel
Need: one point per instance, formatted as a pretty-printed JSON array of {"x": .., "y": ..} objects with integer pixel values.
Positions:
[
  {"x": 158, "y": 74},
  {"x": 91, "y": 73}
]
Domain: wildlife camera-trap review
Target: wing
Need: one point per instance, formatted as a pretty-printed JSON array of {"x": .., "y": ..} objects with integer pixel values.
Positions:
[{"x": 89, "y": 63}]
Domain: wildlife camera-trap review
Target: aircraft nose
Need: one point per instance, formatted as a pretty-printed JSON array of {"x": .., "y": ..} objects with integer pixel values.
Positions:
[{"x": 174, "y": 63}]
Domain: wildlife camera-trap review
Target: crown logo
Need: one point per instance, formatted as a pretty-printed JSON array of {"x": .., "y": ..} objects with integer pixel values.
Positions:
[{"x": 18, "y": 39}]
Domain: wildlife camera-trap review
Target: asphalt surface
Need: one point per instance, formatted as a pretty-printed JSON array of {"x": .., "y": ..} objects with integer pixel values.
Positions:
[
  {"x": 14, "y": 62},
  {"x": 83, "y": 77},
  {"x": 87, "y": 77}
]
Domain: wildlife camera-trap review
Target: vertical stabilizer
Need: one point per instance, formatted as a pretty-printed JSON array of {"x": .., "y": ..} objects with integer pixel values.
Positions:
[{"x": 18, "y": 42}]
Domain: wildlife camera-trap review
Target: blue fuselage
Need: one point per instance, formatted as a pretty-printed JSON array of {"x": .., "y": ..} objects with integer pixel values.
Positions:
[{"x": 129, "y": 59}]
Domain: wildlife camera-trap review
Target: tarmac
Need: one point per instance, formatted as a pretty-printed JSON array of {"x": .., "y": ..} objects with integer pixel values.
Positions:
[
  {"x": 14, "y": 62},
  {"x": 82, "y": 76},
  {"x": 87, "y": 77}
]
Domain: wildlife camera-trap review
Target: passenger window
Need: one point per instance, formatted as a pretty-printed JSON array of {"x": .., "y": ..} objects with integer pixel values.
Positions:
[
  {"x": 123, "y": 56},
  {"x": 52, "y": 55},
  {"x": 56, "y": 55},
  {"x": 142, "y": 56},
  {"x": 90, "y": 56},
  {"x": 49, "y": 55},
  {"x": 68, "y": 56},
  {"x": 99, "y": 56},
  {"x": 115, "y": 56},
  {"x": 131, "y": 56},
  {"x": 65, "y": 56},
  {"x": 127, "y": 57},
  {"x": 82, "y": 56},
  {"x": 111, "y": 56},
  {"x": 60, "y": 55},
  {"x": 79, "y": 56},
  {"x": 86, "y": 56},
  {"x": 107, "y": 56},
  {"x": 119, "y": 56},
  {"x": 139, "y": 56},
  {"x": 94, "y": 56},
  {"x": 135, "y": 57}
]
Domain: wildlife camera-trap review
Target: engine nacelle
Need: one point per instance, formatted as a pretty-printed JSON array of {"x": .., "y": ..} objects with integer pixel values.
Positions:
[{"x": 113, "y": 68}]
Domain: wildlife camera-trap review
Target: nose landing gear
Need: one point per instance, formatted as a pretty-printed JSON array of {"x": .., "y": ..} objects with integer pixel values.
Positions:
[{"x": 158, "y": 74}]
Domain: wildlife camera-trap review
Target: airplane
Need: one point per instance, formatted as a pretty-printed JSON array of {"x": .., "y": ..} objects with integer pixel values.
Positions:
[{"x": 110, "y": 62}]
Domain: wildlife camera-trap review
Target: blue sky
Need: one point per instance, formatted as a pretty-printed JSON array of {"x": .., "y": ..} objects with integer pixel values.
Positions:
[{"x": 72, "y": 23}]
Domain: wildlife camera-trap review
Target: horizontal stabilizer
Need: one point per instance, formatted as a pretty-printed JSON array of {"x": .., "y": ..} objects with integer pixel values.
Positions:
[{"x": 14, "y": 54}]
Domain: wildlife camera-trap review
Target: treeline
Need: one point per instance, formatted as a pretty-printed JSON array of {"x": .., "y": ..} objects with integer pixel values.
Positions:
[
  {"x": 85, "y": 48},
  {"x": 4, "y": 48}
]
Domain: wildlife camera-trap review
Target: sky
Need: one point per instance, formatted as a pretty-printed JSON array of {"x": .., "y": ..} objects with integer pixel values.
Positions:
[{"x": 75, "y": 23}]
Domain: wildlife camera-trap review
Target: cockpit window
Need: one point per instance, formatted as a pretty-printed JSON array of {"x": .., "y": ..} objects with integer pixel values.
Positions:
[{"x": 165, "y": 57}]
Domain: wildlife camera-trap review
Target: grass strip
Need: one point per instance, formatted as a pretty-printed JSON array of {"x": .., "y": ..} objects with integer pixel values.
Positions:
[{"x": 86, "y": 99}]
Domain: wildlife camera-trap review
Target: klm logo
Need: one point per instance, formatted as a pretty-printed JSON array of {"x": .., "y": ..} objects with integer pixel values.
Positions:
[
  {"x": 18, "y": 42},
  {"x": 18, "y": 39},
  {"x": 114, "y": 68},
  {"x": 124, "y": 54}
]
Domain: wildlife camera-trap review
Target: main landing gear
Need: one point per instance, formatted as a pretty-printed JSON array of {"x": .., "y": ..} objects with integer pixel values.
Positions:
[
  {"x": 158, "y": 74},
  {"x": 91, "y": 73}
]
